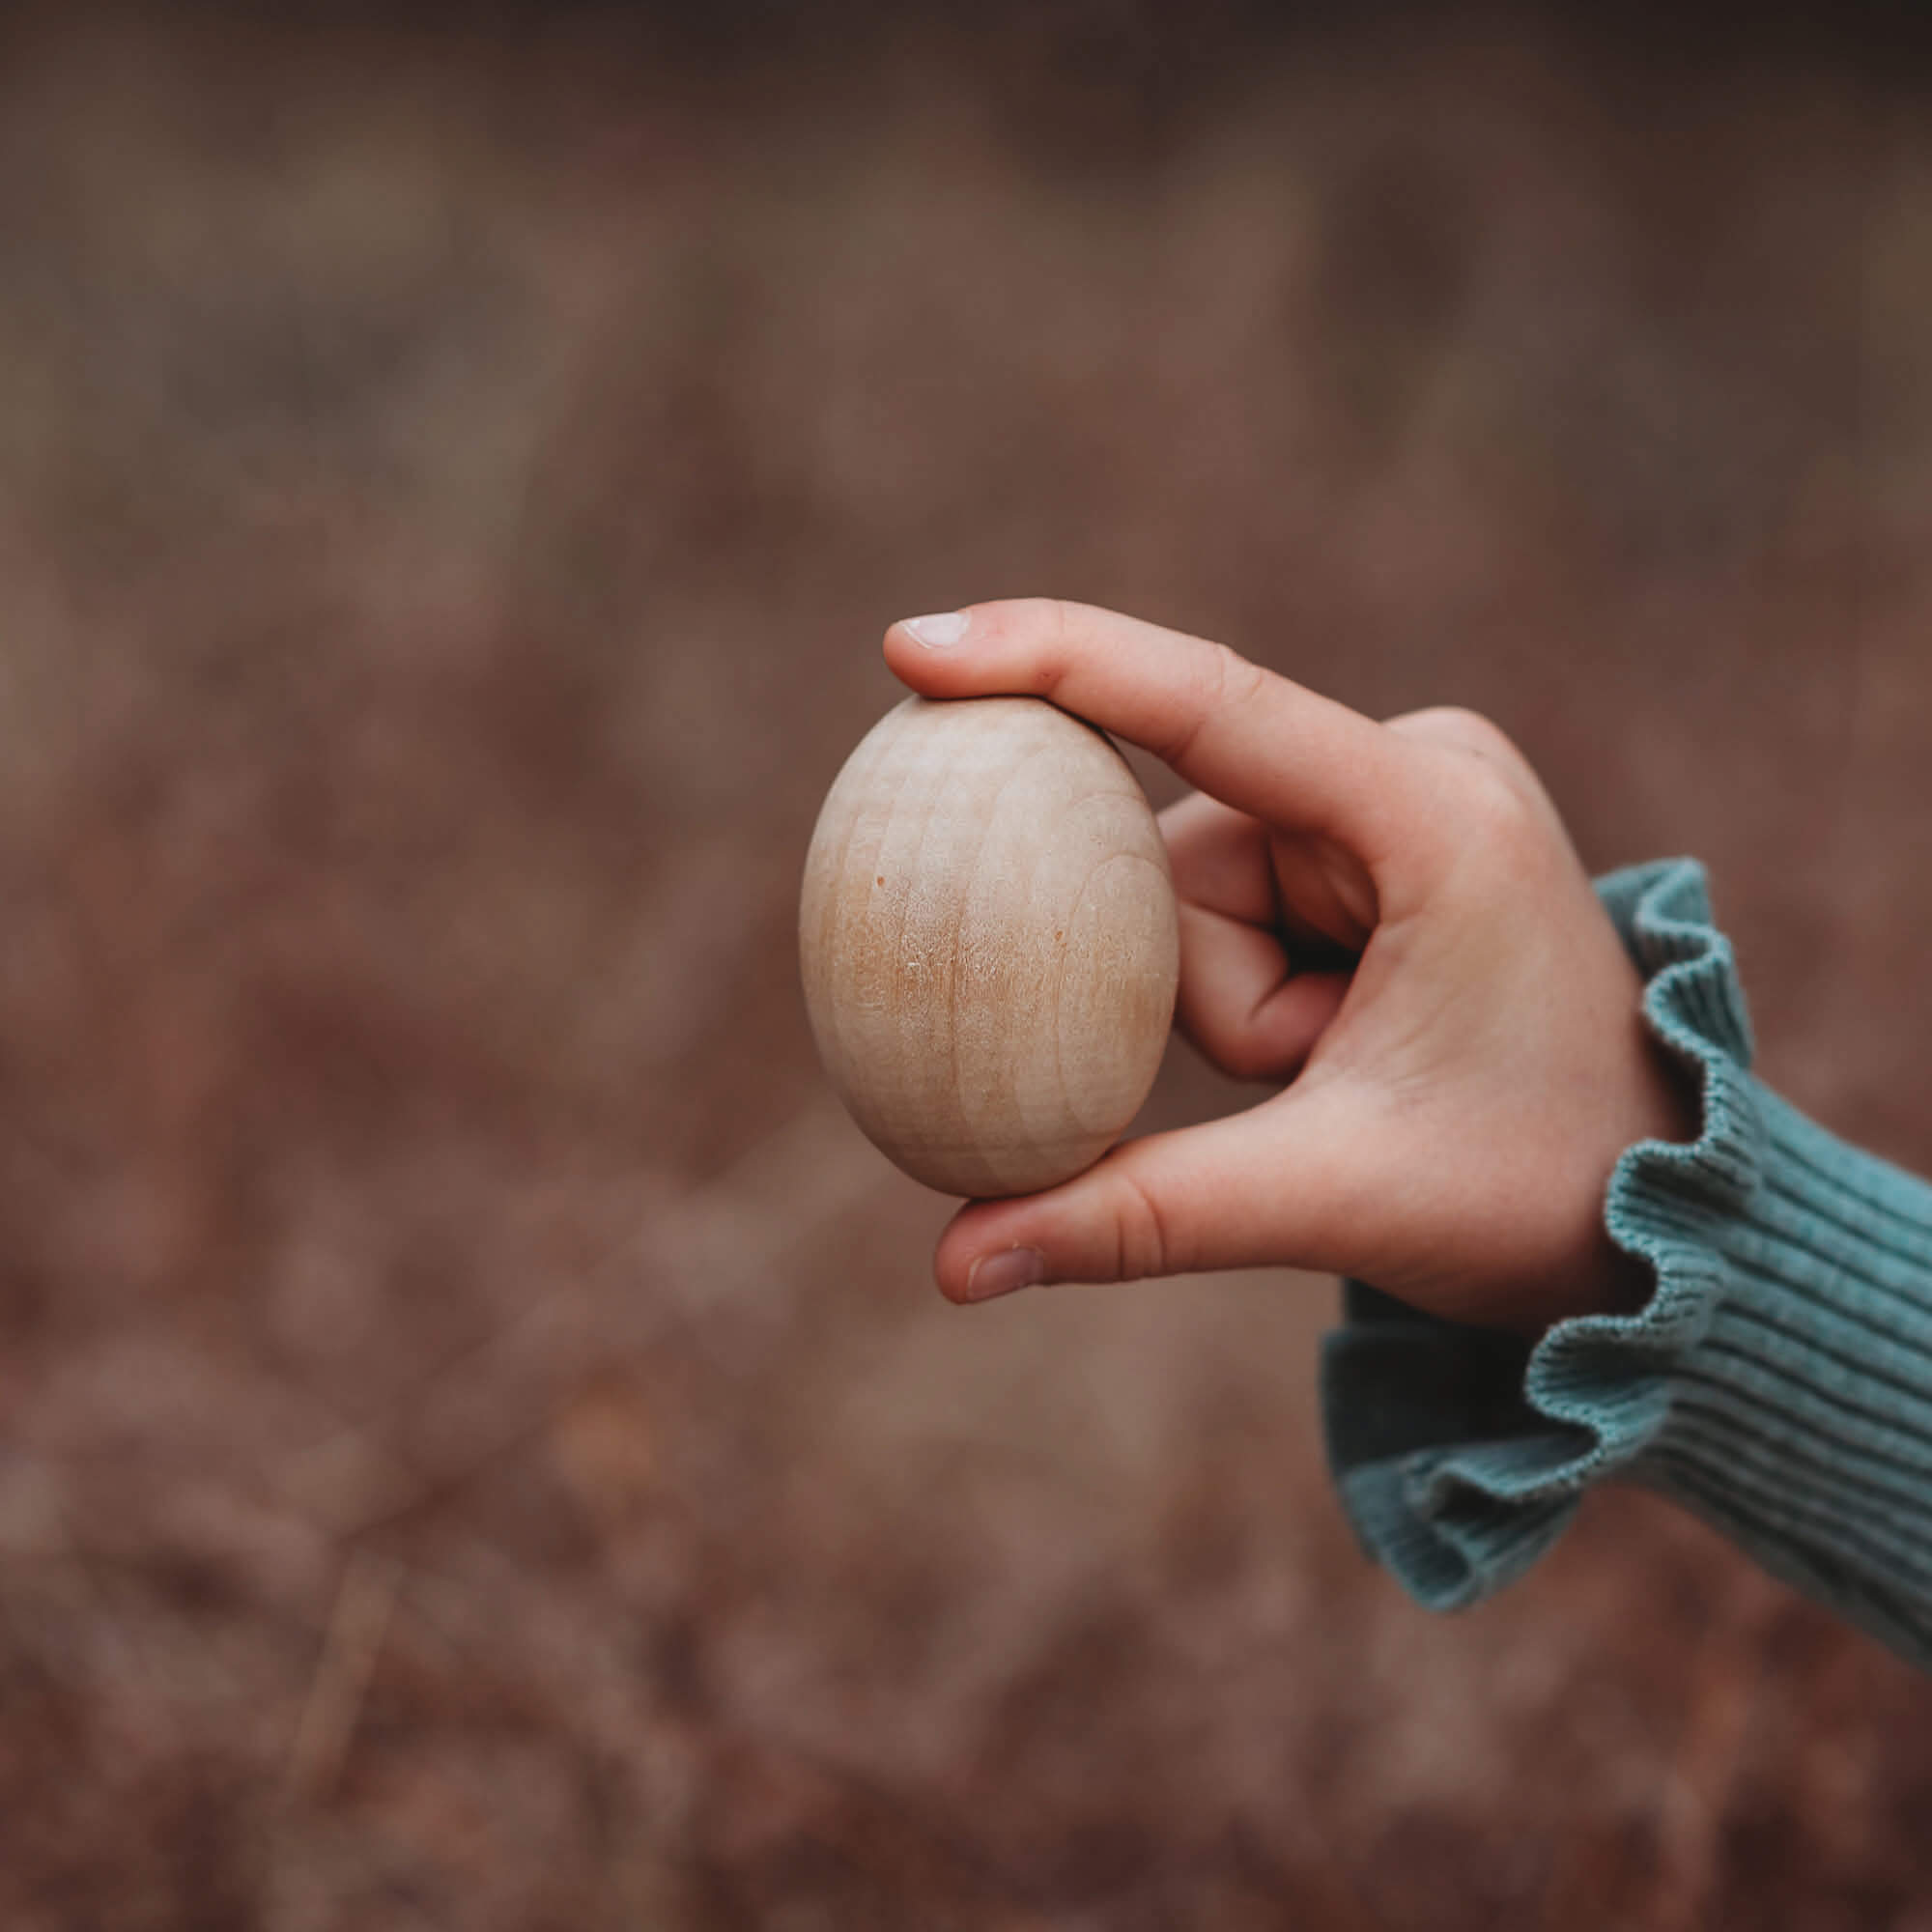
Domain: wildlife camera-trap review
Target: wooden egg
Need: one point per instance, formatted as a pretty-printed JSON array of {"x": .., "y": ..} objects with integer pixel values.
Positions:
[{"x": 989, "y": 942}]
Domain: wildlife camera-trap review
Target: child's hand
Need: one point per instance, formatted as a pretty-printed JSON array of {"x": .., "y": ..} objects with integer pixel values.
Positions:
[{"x": 1390, "y": 919}]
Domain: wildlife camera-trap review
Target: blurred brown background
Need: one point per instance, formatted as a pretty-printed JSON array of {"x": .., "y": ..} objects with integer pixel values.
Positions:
[{"x": 478, "y": 1446}]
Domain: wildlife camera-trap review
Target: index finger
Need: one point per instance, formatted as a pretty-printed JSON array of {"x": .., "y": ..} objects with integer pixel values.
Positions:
[{"x": 1242, "y": 733}]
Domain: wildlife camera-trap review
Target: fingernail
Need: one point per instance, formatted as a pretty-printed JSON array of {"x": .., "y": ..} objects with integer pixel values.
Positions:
[
  {"x": 937, "y": 632},
  {"x": 1001, "y": 1274}
]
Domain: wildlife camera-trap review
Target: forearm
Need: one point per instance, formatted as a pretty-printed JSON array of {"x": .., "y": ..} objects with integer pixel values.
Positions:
[{"x": 1801, "y": 1422}]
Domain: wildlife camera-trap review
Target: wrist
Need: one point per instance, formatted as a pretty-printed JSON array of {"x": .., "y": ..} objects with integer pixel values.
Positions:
[{"x": 1461, "y": 1454}]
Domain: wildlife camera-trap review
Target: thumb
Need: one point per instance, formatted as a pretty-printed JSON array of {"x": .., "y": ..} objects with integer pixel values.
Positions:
[{"x": 1267, "y": 1187}]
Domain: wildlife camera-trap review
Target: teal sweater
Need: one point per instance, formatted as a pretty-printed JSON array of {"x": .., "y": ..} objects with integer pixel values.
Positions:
[{"x": 1777, "y": 1381}]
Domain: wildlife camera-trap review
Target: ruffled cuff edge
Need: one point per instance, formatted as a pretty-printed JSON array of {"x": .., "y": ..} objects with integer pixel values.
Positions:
[{"x": 1457, "y": 1517}]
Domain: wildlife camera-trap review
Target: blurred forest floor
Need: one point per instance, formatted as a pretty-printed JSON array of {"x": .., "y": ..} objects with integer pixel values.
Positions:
[{"x": 478, "y": 1446}]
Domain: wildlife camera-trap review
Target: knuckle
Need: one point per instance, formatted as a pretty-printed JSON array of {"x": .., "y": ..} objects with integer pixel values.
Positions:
[
  {"x": 1471, "y": 730},
  {"x": 1219, "y": 680},
  {"x": 1482, "y": 733},
  {"x": 1465, "y": 731},
  {"x": 1233, "y": 1046},
  {"x": 1495, "y": 811},
  {"x": 1051, "y": 631},
  {"x": 1487, "y": 770},
  {"x": 1233, "y": 680},
  {"x": 1490, "y": 796}
]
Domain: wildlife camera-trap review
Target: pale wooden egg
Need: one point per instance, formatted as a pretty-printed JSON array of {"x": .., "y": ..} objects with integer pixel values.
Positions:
[{"x": 989, "y": 942}]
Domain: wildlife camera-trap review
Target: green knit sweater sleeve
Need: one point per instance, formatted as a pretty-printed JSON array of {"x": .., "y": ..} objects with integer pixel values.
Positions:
[{"x": 1777, "y": 1381}]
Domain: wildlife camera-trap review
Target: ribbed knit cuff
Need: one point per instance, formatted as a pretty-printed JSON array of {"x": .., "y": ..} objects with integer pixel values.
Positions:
[{"x": 1777, "y": 1380}]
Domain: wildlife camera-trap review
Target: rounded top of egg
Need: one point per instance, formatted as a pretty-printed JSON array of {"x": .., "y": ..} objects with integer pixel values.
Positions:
[{"x": 989, "y": 942}]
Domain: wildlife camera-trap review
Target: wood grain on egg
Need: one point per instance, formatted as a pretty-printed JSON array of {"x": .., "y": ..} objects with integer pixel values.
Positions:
[{"x": 989, "y": 944}]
